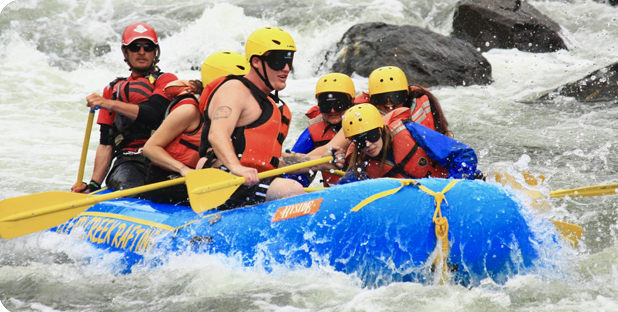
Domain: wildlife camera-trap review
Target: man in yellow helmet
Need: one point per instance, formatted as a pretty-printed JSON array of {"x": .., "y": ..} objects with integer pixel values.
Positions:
[
  {"x": 245, "y": 127},
  {"x": 173, "y": 148}
]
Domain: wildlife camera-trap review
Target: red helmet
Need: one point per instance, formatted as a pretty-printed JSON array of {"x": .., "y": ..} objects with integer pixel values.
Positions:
[{"x": 139, "y": 31}]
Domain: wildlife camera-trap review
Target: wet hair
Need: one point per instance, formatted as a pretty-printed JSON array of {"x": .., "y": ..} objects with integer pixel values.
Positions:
[
  {"x": 436, "y": 110},
  {"x": 197, "y": 85}
]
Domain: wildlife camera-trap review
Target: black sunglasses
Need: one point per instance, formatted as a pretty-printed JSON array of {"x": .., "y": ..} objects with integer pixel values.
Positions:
[
  {"x": 372, "y": 136},
  {"x": 337, "y": 100},
  {"x": 397, "y": 97},
  {"x": 277, "y": 59},
  {"x": 135, "y": 47}
]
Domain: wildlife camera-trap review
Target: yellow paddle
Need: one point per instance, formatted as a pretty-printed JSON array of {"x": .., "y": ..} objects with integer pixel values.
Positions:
[
  {"x": 82, "y": 162},
  {"x": 36, "y": 212},
  {"x": 207, "y": 191},
  {"x": 338, "y": 173},
  {"x": 588, "y": 191},
  {"x": 572, "y": 233}
]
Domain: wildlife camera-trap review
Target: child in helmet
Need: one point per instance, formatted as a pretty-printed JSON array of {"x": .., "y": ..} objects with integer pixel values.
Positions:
[
  {"x": 393, "y": 146},
  {"x": 389, "y": 90},
  {"x": 335, "y": 93}
]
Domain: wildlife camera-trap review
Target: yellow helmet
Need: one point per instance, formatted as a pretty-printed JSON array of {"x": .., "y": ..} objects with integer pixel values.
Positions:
[
  {"x": 222, "y": 64},
  {"x": 335, "y": 82},
  {"x": 387, "y": 79},
  {"x": 361, "y": 118},
  {"x": 267, "y": 39}
]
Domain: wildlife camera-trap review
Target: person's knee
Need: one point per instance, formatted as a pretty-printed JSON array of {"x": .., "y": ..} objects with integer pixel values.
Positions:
[{"x": 282, "y": 188}]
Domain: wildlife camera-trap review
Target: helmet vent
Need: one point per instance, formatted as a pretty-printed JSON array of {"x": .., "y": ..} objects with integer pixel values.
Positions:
[
  {"x": 240, "y": 67},
  {"x": 277, "y": 42}
]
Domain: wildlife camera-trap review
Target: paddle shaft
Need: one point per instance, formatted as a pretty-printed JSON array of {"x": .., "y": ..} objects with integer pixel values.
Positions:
[
  {"x": 89, "y": 201},
  {"x": 588, "y": 191},
  {"x": 261, "y": 175},
  {"x": 82, "y": 162}
]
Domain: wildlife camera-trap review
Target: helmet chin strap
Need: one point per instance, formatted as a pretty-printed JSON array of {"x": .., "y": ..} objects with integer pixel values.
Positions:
[{"x": 265, "y": 79}]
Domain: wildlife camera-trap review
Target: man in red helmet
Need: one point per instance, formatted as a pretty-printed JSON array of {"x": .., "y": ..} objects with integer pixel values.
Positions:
[{"x": 130, "y": 109}]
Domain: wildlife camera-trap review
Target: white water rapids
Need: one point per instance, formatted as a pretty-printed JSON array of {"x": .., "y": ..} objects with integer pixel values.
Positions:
[{"x": 55, "y": 52}]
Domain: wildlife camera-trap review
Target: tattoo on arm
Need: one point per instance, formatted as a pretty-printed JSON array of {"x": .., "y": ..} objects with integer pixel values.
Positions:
[
  {"x": 222, "y": 112},
  {"x": 292, "y": 159}
]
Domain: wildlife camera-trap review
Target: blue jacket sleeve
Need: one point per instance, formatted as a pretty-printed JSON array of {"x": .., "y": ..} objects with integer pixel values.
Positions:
[
  {"x": 303, "y": 145},
  {"x": 458, "y": 158}
]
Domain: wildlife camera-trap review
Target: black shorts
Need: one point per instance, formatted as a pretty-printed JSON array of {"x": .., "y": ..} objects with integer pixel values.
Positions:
[
  {"x": 128, "y": 171},
  {"x": 247, "y": 195},
  {"x": 176, "y": 194}
]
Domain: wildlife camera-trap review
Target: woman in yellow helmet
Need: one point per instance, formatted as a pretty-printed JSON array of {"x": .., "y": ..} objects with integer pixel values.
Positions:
[
  {"x": 393, "y": 146},
  {"x": 335, "y": 94},
  {"x": 173, "y": 148},
  {"x": 389, "y": 89}
]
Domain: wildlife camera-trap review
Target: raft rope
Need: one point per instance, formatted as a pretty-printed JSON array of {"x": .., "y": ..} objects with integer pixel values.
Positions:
[
  {"x": 441, "y": 223},
  {"x": 441, "y": 228}
]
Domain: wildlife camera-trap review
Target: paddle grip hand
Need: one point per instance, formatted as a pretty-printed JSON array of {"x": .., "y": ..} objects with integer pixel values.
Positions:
[
  {"x": 81, "y": 188},
  {"x": 95, "y": 101},
  {"x": 250, "y": 174},
  {"x": 86, "y": 188},
  {"x": 338, "y": 158}
]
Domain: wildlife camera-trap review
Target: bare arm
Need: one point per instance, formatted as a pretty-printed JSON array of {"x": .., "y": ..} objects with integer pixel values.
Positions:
[
  {"x": 102, "y": 160},
  {"x": 339, "y": 141},
  {"x": 288, "y": 159},
  {"x": 182, "y": 119},
  {"x": 228, "y": 110}
]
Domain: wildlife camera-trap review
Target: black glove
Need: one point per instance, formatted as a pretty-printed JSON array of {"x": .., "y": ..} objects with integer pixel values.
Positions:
[{"x": 93, "y": 186}]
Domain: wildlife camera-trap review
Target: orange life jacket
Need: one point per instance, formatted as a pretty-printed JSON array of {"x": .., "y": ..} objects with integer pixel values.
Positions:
[
  {"x": 410, "y": 160},
  {"x": 421, "y": 108},
  {"x": 313, "y": 112},
  {"x": 185, "y": 146},
  {"x": 259, "y": 144}
]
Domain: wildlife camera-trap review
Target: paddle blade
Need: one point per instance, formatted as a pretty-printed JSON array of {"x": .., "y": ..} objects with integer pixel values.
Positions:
[
  {"x": 28, "y": 214},
  {"x": 210, "y": 188},
  {"x": 571, "y": 232}
]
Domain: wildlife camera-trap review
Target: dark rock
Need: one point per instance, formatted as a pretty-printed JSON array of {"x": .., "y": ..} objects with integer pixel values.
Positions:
[
  {"x": 601, "y": 85},
  {"x": 610, "y": 2},
  {"x": 427, "y": 58},
  {"x": 506, "y": 24}
]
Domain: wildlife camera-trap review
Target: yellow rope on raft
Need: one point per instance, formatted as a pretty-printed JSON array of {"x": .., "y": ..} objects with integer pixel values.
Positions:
[
  {"x": 441, "y": 228},
  {"x": 441, "y": 222}
]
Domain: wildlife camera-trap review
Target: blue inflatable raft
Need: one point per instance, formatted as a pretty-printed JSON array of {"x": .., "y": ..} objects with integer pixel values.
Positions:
[{"x": 379, "y": 230}]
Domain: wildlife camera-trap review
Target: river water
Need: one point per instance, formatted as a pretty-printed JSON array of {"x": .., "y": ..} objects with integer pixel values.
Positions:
[{"x": 55, "y": 52}]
